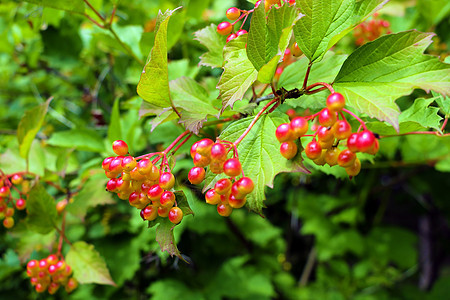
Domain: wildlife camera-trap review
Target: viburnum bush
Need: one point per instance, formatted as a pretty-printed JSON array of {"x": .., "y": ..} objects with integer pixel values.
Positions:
[{"x": 283, "y": 98}]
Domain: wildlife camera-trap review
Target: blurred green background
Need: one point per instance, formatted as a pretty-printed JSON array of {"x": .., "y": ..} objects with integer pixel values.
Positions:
[{"x": 383, "y": 235}]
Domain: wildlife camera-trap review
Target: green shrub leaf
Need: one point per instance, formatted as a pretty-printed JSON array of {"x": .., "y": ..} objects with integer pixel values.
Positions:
[{"x": 41, "y": 209}]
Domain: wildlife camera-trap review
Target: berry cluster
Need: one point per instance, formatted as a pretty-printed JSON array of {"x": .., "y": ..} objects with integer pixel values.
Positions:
[
  {"x": 49, "y": 274},
  {"x": 227, "y": 28},
  {"x": 323, "y": 149},
  {"x": 228, "y": 193},
  {"x": 8, "y": 203},
  {"x": 143, "y": 184},
  {"x": 370, "y": 30}
]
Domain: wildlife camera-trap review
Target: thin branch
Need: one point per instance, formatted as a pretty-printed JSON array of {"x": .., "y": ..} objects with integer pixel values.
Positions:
[
  {"x": 305, "y": 81},
  {"x": 127, "y": 49},
  {"x": 94, "y": 10}
]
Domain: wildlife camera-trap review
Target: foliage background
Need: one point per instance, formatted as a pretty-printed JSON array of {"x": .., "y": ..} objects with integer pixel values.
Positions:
[{"x": 383, "y": 235}]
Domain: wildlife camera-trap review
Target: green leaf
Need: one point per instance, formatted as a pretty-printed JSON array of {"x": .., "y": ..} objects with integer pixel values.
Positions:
[
  {"x": 238, "y": 75},
  {"x": 376, "y": 74},
  {"x": 322, "y": 21},
  {"x": 130, "y": 35},
  {"x": 68, "y": 5},
  {"x": 87, "y": 264},
  {"x": 153, "y": 85},
  {"x": 443, "y": 102},
  {"x": 256, "y": 43},
  {"x": 81, "y": 139},
  {"x": 41, "y": 209},
  {"x": 182, "y": 203},
  {"x": 114, "y": 128},
  {"x": 9, "y": 264},
  {"x": 30, "y": 241},
  {"x": 173, "y": 289},
  {"x": 29, "y": 126},
  {"x": 215, "y": 42},
  {"x": 91, "y": 195},
  {"x": 266, "y": 73},
  {"x": 259, "y": 154},
  {"x": 194, "y": 100}
]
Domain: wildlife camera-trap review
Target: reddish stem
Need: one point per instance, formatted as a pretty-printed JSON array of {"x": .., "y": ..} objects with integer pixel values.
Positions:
[
  {"x": 181, "y": 144},
  {"x": 93, "y": 21},
  {"x": 324, "y": 84},
  {"x": 61, "y": 236},
  {"x": 436, "y": 133},
  {"x": 244, "y": 14},
  {"x": 94, "y": 10},
  {"x": 174, "y": 143},
  {"x": 112, "y": 15},
  {"x": 305, "y": 81},
  {"x": 254, "y": 121},
  {"x": 444, "y": 124},
  {"x": 356, "y": 117}
]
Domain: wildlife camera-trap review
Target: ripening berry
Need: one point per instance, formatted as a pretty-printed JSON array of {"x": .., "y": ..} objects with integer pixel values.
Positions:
[
  {"x": 313, "y": 150},
  {"x": 201, "y": 161},
  {"x": 284, "y": 133},
  {"x": 257, "y": 3},
  {"x": 128, "y": 163},
  {"x": 16, "y": 179},
  {"x": 196, "y": 175},
  {"x": 232, "y": 167},
  {"x": 288, "y": 149},
  {"x": 224, "y": 209},
  {"x": 287, "y": 54},
  {"x": 235, "y": 202},
  {"x": 222, "y": 186},
  {"x": 291, "y": 114},
  {"x": 40, "y": 288},
  {"x": 342, "y": 129},
  {"x": 245, "y": 185},
  {"x": 120, "y": 147},
  {"x": 115, "y": 165},
  {"x": 325, "y": 134},
  {"x": 375, "y": 148},
  {"x": 21, "y": 204},
  {"x": 320, "y": 161},
  {"x": 232, "y": 36},
  {"x": 212, "y": 197},
  {"x": 236, "y": 192},
  {"x": 4, "y": 191},
  {"x": 233, "y": 13},
  {"x": 71, "y": 285},
  {"x": 106, "y": 162},
  {"x": 278, "y": 72},
  {"x": 150, "y": 213},
  {"x": 9, "y": 212},
  {"x": 111, "y": 185},
  {"x": 136, "y": 175},
  {"x": 175, "y": 215},
  {"x": 163, "y": 211},
  {"x": 224, "y": 28},
  {"x": 133, "y": 199},
  {"x": 354, "y": 169},
  {"x": 53, "y": 288},
  {"x": 216, "y": 167},
  {"x": 365, "y": 141},
  {"x": 218, "y": 152},
  {"x": 167, "y": 199},
  {"x": 8, "y": 222},
  {"x": 167, "y": 180},
  {"x": 61, "y": 205},
  {"x": 296, "y": 51},
  {"x": 335, "y": 102},
  {"x": 327, "y": 118},
  {"x": 52, "y": 259},
  {"x": 194, "y": 149},
  {"x": 155, "y": 192},
  {"x": 346, "y": 158},
  {"x": 331, "y": 156},
  {"x": 299, "y": 126},
  {"x": 204, "y": 147},
  {"x": 351, "y": 142},
  {"x": 144, "y": 166},
  {"x": 241, "y": 32}
]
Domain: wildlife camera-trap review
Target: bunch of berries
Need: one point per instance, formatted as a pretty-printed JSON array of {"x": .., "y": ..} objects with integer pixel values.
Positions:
[
  {"x": 49, "y": 274},
  {"x": 228, "y": 193},
  {"x": 227, "y": 28},
  {"x": 143, "y": 184},
  {"x": 8, "y": 203},
  {"x": 370, "y": 30},
  {"x": 323, "y": 149}
]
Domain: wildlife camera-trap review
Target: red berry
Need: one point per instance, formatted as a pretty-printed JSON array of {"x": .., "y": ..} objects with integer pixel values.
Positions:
[
  {"x": 216, "y": 167},
  {"x": 163, "y": 211},
  {"x": 224, "y": 209},
  {"x": 335, "y": 102},
  {"x": 106, "y": 162},
  {"x": 288, "y": 149},
  {"x": 245, "y": 185},
  {"x": 365, "y": 141},
  {"x": 235, "y": 202},
  {"x": 194, "y": 149},
  {"x": 16, "y": 179},
  {"x": 327, "y": 118},
  {"x": 134, "y": 198},
  {"x": 155, "y": 192},
  {"x": 111, "y": 184},
  {"x": 204, "y": 147},
  {"x": 150, "y": 213},
  {"x": 224, "y": 28},
  {"x": 351, "y": 142},
  {"x": 218, "y": 152},
  {"x": 296, "y": 51},
  {"x": 299, "y": 126},
  {"x": 284, "y": 133},
  {"x": 233, "y": 13},
  {"x": 313, "y": 150},
  {"x": 232, "y": 167},
  {"x": 278, "y": 72},
  {"x": 354, "y": 169},
  {"x": 222, "y": 186},
  {"x": 52, "y": 259},
  {"x": 43, "y": 264},
  {"x": 331, "y": 156},
  {"x": 342, "y": 129},
  {"x": 167, "y": 180},
  {"x": 236, "y": 192},
  {"x": 241, "y": 32},
  {"x": 325, "y": 134},
  {"x": 232, "y": 36},
  {"x": 292, "y": 114},
  {"x": 346, "y": 158},
  {"x": 201, "y": 161},
  {"x": 120, "y": 147},
  {"x": 375, "y": 148},
  {"x": 116, "y": 165},
  {"x": 167, "y": 199},
  {"x": 21, "y": 204},
  {"x": 144, "y": 166},
  {"x": 128, "y": 163},
  {"x": 175, "y": 215},
  {"x": 196, "y": 175},
  {"x": 71, "y": 285},
  {"x": 4, "y": 191},
  {"x": 212, "y": 197}
]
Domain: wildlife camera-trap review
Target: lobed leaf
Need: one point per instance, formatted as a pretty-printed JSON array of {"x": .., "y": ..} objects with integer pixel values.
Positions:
[
  {"x": 88, "y": 265},
  {"x": 29, "y": 126},
  {"x": 259, "y": 154},
  {"x": 209, "y": 38},
  {"x": 238, "y": 75},
  {"x": 376, "y": 74},
  {"x": 41, "y": 209},
  {"x": 257, "y": 35}
]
